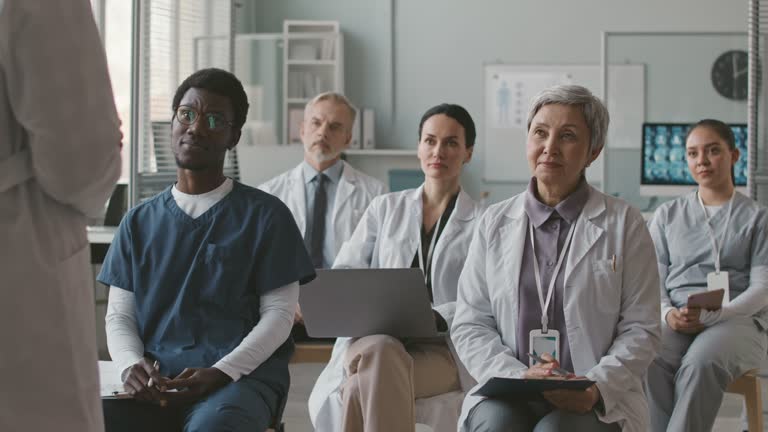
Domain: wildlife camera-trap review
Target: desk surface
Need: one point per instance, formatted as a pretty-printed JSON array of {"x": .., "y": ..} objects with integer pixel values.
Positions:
[{"x": 101, "y": 234}]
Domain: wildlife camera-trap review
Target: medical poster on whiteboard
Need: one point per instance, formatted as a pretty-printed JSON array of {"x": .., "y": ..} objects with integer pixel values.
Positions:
[
  {"x": 509, "y": 90},
  {"x": 512, "y": 93}
]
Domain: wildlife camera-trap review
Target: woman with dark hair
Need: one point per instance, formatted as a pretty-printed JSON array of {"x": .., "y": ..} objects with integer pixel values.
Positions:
[
  {"x": 377, "y": 382},
  {"x": 712, "y": 238}
]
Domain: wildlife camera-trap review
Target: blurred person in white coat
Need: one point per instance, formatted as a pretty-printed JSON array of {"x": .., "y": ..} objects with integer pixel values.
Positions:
[
  {"x": 326, "y": 195},
  {"x": 59, "y": 160},
  {"x": 590, "y": 256},
  {"x": 380, "y": 383}
]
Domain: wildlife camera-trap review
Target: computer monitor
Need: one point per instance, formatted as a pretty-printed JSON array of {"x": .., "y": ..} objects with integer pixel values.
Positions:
[{"x": 664, "y": 166}]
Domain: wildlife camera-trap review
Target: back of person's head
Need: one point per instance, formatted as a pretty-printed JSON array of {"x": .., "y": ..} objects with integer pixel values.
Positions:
[
  {"x": 595, "y": 113},
  {"x": 456, "y": 112},
  {"x": 336, "y": 98},
  {"x": 721, "y": 129},
  {"x": 221, "y": 82}
]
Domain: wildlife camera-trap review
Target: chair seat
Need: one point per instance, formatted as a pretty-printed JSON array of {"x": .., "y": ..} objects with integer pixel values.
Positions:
[
  {"x": 312, "y": 352},
  {"x": 306, "y": 352},
  {"x": 748, "y": 385},
  {"x": 743, "y": 384}
]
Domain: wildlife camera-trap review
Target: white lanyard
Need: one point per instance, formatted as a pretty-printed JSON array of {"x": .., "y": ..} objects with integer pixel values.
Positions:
[
  {"x": 427, "y": 265},
  {"x": 716, "y": 247},
  {"x": 545, "y": 304}
]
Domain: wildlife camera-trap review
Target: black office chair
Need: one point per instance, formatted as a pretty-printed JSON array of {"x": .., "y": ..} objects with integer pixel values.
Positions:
[
  {"x": 277, "y": 421},
  {"x": 118, "y": 205}
]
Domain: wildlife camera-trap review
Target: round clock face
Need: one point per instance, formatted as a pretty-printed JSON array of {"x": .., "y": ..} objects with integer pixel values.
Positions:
[{"x": 729, "y": 75}]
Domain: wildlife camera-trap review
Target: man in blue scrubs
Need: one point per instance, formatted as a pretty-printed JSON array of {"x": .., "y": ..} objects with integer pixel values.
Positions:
[{"x": 204, "y": 279}]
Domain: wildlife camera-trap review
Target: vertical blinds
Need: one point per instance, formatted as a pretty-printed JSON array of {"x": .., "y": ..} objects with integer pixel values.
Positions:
[
  {"x": 170, "y": 53},
  {"x": 757, "y": 32}
]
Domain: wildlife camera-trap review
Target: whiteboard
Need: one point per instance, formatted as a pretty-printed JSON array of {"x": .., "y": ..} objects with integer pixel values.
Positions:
[{"x": 509, "y": 90}]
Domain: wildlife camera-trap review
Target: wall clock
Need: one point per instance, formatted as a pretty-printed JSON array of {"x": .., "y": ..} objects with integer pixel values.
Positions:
[{"x": 729, "y": 75}]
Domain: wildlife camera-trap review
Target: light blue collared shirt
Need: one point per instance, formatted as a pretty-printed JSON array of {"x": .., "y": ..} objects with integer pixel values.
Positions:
[{"x": 310, "y": 184}]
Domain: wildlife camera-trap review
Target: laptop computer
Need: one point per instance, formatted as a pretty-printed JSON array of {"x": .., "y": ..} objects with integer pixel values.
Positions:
[{"x": 363, "y": 302}]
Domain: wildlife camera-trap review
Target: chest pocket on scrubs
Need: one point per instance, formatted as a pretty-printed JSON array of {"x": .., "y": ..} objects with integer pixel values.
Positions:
[
  {"x": 217, "y": 278},
  {"x": 737, "y": 251},
  {"x": 606, "y": 277}
]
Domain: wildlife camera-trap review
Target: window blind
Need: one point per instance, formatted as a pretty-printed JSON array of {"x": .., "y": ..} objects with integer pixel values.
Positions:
[
  {"x": 169, "y": 29},
  {"x": 757, "y": 97}
]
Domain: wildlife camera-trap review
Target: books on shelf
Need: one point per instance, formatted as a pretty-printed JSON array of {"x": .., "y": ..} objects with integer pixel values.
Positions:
[
  {"x": 369, "y": 129},
  {"x": 356, "y": 142},
  {"x": 304, "y": 85},
  {"x": 295, "y": 117},
  {"x": 303, "y": 51},
  {"x": 326, "y": 50}
]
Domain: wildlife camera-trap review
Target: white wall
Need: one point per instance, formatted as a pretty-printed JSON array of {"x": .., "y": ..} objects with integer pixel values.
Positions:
[{"x": 440, "y": 46}]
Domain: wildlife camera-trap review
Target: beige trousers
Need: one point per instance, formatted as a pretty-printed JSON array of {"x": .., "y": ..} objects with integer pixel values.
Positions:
[{"x": 385, "y": 376}]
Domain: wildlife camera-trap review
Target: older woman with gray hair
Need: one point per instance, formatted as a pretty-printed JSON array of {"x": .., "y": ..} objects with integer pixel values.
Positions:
[{"x": 566, "y": 272}]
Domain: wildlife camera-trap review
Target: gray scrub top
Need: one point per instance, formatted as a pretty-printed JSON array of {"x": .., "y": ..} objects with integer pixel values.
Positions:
[{"x": 684, "y": 248}]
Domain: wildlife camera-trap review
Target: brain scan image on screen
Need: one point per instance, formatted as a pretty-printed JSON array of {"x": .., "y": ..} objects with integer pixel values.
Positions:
[{"x": 664, "y": 159}]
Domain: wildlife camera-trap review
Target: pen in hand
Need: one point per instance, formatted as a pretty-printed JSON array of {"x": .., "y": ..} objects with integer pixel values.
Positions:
[
  {"x": 151, "y": 383},
  {"x": 555, "y": 371},
  {"x": 155, "y": 365}
]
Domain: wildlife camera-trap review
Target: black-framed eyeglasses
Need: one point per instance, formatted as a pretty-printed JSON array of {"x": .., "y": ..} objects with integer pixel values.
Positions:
[{"x": 213, "y": 121}]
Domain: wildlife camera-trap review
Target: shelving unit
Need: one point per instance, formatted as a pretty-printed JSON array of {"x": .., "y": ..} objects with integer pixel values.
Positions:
[
  {"x": 379, "y": 162},
  {"x": 313, "y": 63},
  {"x": 381, "y": 152}
]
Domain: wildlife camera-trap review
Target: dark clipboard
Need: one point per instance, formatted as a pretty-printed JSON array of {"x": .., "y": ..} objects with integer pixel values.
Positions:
[
  {"x": 116, "y": 395},
  {"x": 708, "y": 300},
  {"x": 509, "y": 388}
]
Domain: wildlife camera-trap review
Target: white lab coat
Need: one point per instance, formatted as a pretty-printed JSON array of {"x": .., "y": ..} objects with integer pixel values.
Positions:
[
  {"x": 612, "y": 316},
  {"x": 388, "y": 237},
  {"x": 353, "y": 194},
  {"x": 59, "y": 160}
]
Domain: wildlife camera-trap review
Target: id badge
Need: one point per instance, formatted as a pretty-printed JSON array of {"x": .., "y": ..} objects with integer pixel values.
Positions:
[
  {"x": 717, "y": 281},
  {"x": 540, "y": 343}
]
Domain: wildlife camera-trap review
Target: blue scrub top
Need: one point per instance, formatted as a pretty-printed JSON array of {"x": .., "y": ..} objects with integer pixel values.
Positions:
[{"x": 198, "y": 282}]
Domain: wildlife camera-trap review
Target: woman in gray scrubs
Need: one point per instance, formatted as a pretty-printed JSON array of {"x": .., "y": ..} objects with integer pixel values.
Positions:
[{"x": 712, "y": 238}]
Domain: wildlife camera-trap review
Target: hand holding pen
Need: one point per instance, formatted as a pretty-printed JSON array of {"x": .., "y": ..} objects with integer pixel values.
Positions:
[
  {"x": 577, "y": 401},
  {"x": 546, "y": 367},
  {"x": 144, "y": 382}
]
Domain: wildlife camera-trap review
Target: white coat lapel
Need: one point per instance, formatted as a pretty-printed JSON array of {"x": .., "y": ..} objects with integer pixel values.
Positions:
[
  {"x": 344, "y": 218},
  {"x": 462, "y": 213},
  {"x": 413, "y": 214},
  {"x": 297, "y": 198},
  {"x": 345, "y": 189},
  {"x": 586, "y": 232},
  {"x": 512, "y": 242}
]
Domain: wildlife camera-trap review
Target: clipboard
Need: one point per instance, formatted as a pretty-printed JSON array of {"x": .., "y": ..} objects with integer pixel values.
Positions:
[
  {"x": 708, "y": 300},
  {"x": 510, "y": 388},
  {"x": 111, "y": 386},
  {"x": 116, "y": 395}
]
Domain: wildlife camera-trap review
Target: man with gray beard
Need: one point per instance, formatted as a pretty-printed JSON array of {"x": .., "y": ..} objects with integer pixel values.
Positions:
[{"x": 325, "y": 194}]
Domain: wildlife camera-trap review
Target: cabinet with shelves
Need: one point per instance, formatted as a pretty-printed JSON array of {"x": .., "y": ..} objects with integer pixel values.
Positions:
[{"x": 313, "y": 63}]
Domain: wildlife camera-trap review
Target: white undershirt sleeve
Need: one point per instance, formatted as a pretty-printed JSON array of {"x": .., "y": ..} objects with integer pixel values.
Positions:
[
  {"x": 748, "y": 303},
  {"x": 277, "y": 310},
  {"x": 666, "y": 301},
  {"x": 123, "y": 341}
]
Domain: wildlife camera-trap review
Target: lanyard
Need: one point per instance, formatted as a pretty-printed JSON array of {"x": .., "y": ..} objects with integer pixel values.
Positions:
[
  {"x": 545, "y": 304},
  {"x": 716, "y": 247},
  {"x": 426, "y": 266}
]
